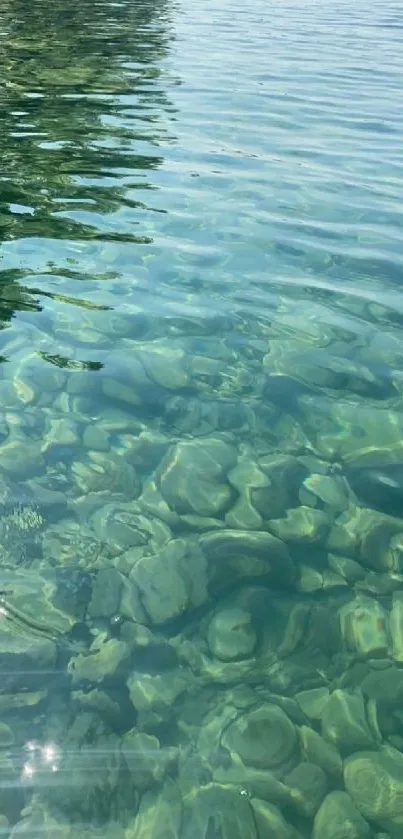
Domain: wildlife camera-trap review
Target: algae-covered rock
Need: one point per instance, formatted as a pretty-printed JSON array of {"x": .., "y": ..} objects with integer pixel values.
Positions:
[
  {"x": 307, "y": 783},
  {"x": 192, "y": 476},
  {"x": 231, "y": 635},
  {"x": 264, "y": 738},
  {"x": 155, "y": 690},
  {"x": 375, "y": 782},
  {"x": 218, "y": 811},
  {"x": 301, "y": 524},
  {"x": 235, "y": 554},
  {"x": 344, "y": 722},
  {"x": 104, "y": 658},
  {"x": 147, "y": 762},
  {"x": 319, "y": 751},
  {"x": 159, "y": 815},
  {"x": 338, "y": 818},
  {"x": 270, "y": 822},
  {"x": 364, "y": 626}
]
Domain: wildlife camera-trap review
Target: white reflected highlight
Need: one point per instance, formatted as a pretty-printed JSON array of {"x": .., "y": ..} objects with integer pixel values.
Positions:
[
  {"x": 49, "y": 753},
  {"x": 46, "y": 757},
  {"x": 28, "y": 771}
]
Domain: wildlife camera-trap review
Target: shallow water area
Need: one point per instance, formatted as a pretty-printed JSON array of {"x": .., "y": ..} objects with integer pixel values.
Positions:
[{"x": 201, "y": 420}]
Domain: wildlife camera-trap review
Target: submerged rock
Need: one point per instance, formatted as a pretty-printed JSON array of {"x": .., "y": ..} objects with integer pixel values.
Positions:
[
  {"x": 264, "y": 738},
  {"x": 270, "y": 822},
  {"x": 319, "y": 751},
  {"x": 255, "y": 782},
  {"x": 380, "y": 488},
  {"x": 338, "y": 818},
  {"x": 106, "y": 591},
  {"x": 27, "y": 659},
  {"x": 375, "y": 539},
  {"x": 326, "y": 490},
  {"x": 308, "y": 787},
  {"x": 344, "y": 722},
  {"x": 396, "y": 626},
  {"x": 231, "y": 635},
  {"x": 235, "y": 554},
  {"x": 375, "y": 782},
  {"x": 147, "y": 762},
  {"x": 313, "y": 701},
  {"x": 217, "y": 811},
  {"x": 88, "y": 786},
  {"x": 302, "y": 524},
  {"x": 20, "y": 457},
  {"x": 364, "y": 626},
  {"x": 159, "y": 815},
  {"x": 285, "y": 474},
  {"x": 121, "y": 525},
  {"x": 171, "y": 582},
  {"x": 157, "y": 690},
  {"x": 192, "y": 476},
  {"x": 363, "y": 436},
  {"x": 346, "y": 567},
  {"x": 246, "y": 477},
  {"x": 103, "y": 660},
  {"x": 296, "y": 629}
]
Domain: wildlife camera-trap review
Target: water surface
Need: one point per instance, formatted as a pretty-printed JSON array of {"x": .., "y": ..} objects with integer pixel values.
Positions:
[{"x": 201, "y": 430}]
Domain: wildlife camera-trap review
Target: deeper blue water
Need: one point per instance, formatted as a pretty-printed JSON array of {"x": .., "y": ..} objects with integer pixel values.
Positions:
[{"x": 201, "y": 419}]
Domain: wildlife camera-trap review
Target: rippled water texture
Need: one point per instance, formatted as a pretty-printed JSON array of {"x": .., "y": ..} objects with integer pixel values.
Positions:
[{"x": 201, "y": 430}]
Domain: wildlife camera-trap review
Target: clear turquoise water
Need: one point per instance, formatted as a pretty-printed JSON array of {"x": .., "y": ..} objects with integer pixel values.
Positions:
[{"x": 201, "y": 430}]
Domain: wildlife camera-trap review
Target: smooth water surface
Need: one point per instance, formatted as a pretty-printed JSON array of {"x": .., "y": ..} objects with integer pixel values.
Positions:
[{"x": 201, "y": 431}]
